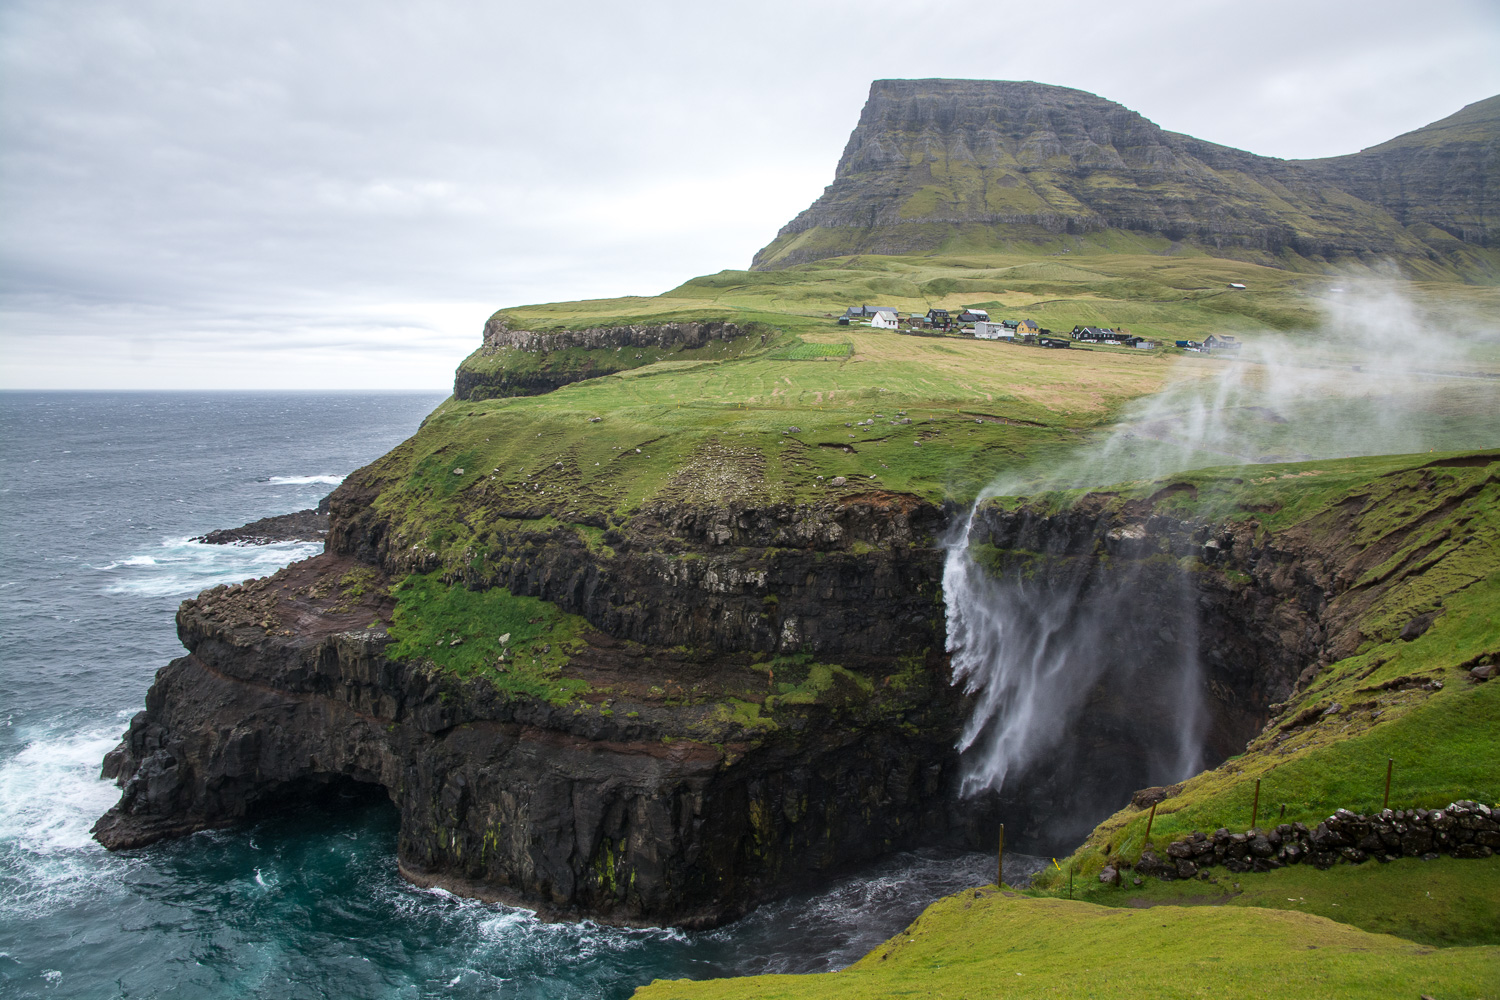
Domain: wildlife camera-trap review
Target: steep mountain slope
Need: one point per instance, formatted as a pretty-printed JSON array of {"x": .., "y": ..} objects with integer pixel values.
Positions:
[
  {"x": 1445, "y": 176},
  {"x": 960, "y": 165}
]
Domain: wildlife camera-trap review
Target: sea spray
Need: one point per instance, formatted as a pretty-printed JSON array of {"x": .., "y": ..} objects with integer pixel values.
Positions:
[{"x": 1036, "y": 637}]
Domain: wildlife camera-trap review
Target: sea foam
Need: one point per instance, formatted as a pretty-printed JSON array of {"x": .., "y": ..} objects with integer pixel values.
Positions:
[
  {"x": 183, "y": 567},
  {"x": 325, "y": 479},
  {"x": 51, "y": 793}
]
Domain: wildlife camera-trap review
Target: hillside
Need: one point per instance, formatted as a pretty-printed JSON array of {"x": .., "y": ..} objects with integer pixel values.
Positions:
[
  {"x": 1400, "y": 537},
  {"x": 959, "y": 166}
]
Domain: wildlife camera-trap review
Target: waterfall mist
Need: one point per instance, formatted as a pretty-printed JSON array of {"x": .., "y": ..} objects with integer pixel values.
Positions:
[{"x": 1085, "y": 672}]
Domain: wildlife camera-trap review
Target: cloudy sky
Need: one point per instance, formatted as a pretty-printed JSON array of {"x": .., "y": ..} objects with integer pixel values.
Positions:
[{"x": 337, "y": 194}]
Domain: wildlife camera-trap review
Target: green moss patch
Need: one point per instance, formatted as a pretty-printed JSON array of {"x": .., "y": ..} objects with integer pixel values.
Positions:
[{"x": 519, "y": 644}]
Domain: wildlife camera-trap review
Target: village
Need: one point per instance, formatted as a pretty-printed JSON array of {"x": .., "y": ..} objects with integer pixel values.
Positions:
[{"x": 976, "y": 322}]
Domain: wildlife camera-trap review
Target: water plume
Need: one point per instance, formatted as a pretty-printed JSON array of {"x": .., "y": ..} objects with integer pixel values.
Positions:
[{"x": 1069, "y": 657}]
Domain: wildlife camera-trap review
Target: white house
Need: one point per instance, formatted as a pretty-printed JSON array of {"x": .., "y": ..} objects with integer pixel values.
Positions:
[
  {"x": 993, "y": 331},
  {"x": 885, "y": 319}
]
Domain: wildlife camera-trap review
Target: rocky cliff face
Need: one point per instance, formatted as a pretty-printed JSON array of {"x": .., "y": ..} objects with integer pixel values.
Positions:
[
  {"x": 970, "y": 164},
  {"x": 674, "y": 791},
  {"x": 758, "y": 699},
  {"x": 1446, "y": 175},
  {"x": 530, "y": 363}
]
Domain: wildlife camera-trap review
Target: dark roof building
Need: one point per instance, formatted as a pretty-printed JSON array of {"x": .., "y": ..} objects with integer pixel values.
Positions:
[{"x": 866, "y": 312}]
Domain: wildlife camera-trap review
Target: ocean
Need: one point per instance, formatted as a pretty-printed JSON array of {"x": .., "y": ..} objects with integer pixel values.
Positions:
[{"x": 100, "y": 496}]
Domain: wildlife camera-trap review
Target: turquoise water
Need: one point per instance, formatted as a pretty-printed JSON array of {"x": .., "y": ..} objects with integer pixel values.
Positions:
[{"x": 100, "y": 495}]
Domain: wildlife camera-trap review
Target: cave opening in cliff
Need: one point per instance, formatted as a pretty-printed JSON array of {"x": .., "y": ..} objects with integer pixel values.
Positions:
[{"x": 326, "y": 794}]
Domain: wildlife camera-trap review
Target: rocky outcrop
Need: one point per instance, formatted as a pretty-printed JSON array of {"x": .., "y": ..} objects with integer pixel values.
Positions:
[
  {"x": 530, "y": 363},
  {"x": 498, "y": 335},
  {"x": 309, "y": 525},
  {"x": 858, "y": 577},
  {"x": 299, "y": 526},
  {"x": 997, "y": 162},
  {"x": 629, "y": 805}
]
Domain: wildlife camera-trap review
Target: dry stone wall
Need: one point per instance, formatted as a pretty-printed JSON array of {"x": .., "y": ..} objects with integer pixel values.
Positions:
[{"x": 1463, "y": 829}]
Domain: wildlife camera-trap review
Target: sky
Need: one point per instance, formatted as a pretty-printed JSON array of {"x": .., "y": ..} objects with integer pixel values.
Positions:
[{"x": 336, "y": 195}]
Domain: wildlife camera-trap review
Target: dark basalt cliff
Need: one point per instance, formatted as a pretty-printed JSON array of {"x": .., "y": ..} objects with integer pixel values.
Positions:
[
  {"x": 530, "y": 363},
  {"x": 647, "y": 801},
  {"x": 1445, "y": 176},
  {"x": 674, "y": 789},
  {"x": 971, "y": 164}
]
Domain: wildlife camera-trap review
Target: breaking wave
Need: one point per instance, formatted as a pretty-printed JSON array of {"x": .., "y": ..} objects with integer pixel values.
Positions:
[{"x": 184, "y": 567}]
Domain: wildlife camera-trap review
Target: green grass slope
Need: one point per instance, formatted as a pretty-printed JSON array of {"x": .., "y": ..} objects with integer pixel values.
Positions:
[
  {"x": 1420, "y": 536},
  {"x": 988, "y": 944},
  {"x": 1424, "y": 536},
  {"x": 1183, "y": 294}
]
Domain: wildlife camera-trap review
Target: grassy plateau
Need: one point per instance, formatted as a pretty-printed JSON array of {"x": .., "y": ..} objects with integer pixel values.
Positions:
[{"x": 802, "y": 413}]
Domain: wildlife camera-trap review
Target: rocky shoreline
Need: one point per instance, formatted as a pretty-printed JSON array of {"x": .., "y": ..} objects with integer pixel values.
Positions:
[{"x": 309, "y": 525}]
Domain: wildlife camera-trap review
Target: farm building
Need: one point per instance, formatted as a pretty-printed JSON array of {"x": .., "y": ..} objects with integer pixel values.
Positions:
[
  {"x": 866, "y": 312},
  {"x": 973, "y": 316},
  {"x": 1222, "y": 343},
  {"x": 1100, "y": 335}
]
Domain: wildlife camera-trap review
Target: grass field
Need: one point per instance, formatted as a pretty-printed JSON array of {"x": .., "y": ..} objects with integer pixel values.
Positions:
[
  {"x": 987, "y": 944},
  {"x": 1185, "y": 295}
]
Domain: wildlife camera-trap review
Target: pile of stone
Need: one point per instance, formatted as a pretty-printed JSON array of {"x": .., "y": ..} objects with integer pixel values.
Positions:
[{"x": 1464, "y": 829}]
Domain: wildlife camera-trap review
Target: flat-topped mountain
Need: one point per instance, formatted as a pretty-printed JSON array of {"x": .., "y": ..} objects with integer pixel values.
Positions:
[{"x": 963, "y": 165}]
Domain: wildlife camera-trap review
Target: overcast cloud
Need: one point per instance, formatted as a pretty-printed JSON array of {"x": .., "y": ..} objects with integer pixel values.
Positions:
[{"x": 301, "y": 195}]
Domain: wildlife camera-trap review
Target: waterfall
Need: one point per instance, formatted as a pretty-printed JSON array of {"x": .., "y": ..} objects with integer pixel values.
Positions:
[
  {"x": 1033, "y": 648},
  {"x": 1084, "y": 673}
]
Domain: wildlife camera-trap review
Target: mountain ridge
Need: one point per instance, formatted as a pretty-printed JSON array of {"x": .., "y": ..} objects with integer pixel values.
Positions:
[{"x": 957, "y": 165}]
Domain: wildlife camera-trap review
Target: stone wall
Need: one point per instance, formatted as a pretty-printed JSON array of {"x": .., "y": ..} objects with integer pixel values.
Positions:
[{"x": 1463, "y": 829}]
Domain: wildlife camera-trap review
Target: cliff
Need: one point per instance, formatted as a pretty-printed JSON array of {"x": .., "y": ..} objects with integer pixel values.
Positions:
[
  {"x": 966, "y": 165},
  {"x": 530, "y": 362},
  {"x": 724, "y": 704}
]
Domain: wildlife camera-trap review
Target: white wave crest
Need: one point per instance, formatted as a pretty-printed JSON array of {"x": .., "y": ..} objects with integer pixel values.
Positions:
[
  {"x": 183, "y": 567},
  {"x": 325, "y": 479},
  {"x": 51, "y": 792}
]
